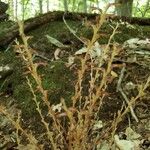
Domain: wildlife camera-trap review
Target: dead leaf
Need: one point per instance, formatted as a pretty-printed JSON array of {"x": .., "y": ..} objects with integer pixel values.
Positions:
[
  {"x": 56, "y": 53},
  {"x": 114, "y": 74},
  {"x": 70, "y": 61}
]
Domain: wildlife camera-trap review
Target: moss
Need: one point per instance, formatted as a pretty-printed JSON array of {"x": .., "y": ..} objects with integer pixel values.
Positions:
[
  {"x": 5, "y": 26},
  {"x": 57, "y": 78},
  {"x": 9, "y": 58},
  {"x": 54, "y": 80},
  {"x": 23, "y": 96},
  {"x": 54, "y": 29}
]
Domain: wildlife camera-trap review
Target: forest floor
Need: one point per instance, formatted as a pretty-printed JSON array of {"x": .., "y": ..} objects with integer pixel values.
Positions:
[{"x": 60, "y": 79}]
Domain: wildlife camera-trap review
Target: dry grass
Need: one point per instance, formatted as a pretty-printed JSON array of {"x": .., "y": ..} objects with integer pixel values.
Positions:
[{"x": 78, "y": 132}]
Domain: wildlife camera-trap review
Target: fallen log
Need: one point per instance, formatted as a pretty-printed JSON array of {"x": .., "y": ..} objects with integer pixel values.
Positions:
[
  {"x": 3, "y": 17},
  {"x": 32, "y": 23},
  {"x": 133, "y": 20},
  {"x": 3, "y": 7}
]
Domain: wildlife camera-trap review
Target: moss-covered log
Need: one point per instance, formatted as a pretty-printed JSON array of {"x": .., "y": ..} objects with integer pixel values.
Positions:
[{"x": 32, "y": 23}]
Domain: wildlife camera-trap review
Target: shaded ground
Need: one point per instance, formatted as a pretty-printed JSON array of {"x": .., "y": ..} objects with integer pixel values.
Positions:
[{"x": 59, "y": 80}]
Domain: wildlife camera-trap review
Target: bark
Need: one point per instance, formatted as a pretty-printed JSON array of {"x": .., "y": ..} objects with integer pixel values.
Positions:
[
  {"x": 3, "y": 7},
  {"x": 147, "y": 7},
  {"x": 73, "y": 5},
  {"x": 47, "y": 2},
  {"x": 40, "y": 6},
  {"x": 32, "y": 23},
  {"x": 11, "y": 9},
  {"x": 65, "y": 5},
  {"x": 133, "y": 20},
  {"x": 16, "y": 8},
  {"x": 125, "y": 7},
  {"x": 85, "y": 6},
  {"x": 23, "y": 9}
]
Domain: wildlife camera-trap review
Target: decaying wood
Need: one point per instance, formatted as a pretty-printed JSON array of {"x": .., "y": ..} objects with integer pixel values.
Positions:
[
  {"x": 3, "y": 9},
  {"x": 3, "y": 17},
  {"x": 133, "y": 20},
  {"x": 32, "y": 23}
]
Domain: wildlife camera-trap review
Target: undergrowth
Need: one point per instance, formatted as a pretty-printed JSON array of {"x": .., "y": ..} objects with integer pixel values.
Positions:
[{"x": 78, "y": 126}]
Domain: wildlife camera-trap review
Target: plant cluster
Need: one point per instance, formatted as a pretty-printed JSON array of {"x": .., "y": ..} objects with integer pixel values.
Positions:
[{"x": 77, "y": 126}]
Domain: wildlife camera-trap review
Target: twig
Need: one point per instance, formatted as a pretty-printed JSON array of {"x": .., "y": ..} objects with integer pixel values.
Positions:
[
  {"x": 124, "y": 95},
  {"x": 41, "y": 56},
  {"x": 71, "y": 30}
]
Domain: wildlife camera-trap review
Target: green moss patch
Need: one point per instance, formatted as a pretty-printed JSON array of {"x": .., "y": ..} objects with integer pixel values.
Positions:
[{"x": 56, "y": 77}]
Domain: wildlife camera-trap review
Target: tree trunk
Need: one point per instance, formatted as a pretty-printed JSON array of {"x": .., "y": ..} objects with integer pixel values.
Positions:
[
  {"x": 11, "y": 9},
  {"x": 47, "y": 5},
  {"x": 125, "y": 8},
  {"x": 23, "y": 9},
  {"x": 85, "y": 6},
  {"x": 147, "y": 7},
  {"x": 40, "y": 6},
  {"x": 3, "y": 7},
  {"x": 73, "y": 5},
  {"x": 65, "y": 5},
  {"x": 16, "y": 8}
]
